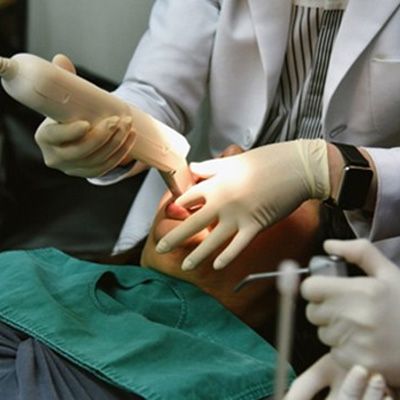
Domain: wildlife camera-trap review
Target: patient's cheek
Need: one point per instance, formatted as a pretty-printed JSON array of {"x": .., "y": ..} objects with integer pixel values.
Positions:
[{"x": 163, "y": 227}]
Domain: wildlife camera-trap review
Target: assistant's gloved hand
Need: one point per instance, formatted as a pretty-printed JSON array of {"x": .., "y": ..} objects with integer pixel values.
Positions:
[
  {"x": 248, "y": 192},
  {"x": 355, "y": 384},
  {"x": 359, "y": 317},
  {"x": 81, "y": 150}
]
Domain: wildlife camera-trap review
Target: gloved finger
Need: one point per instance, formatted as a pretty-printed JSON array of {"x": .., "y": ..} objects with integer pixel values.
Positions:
[
  {"x": 375, "y": 388},
  {"x": 334, "y": 334},
  {"x": 120, "y": 155},
  {"x": 317, "y": 289},
  {"x": 350, "y": 352},
  {"x": 121, "y": 141},
  {"x": 57, "y": 134},
  {"x": 208, "y": 168},
  {"x": 90, "y": 152},
  {"x": 102, "y": 134},
  {"x": 64, "y": 62},
  {"x": 312, "y": 381},
  {"x": 195, "y": 194},
  {"x": 362, "y": 253},
  {"x": 87, "y": 170},
  {"x": 195, "y": 223},
  {"x": 215, "y": 239},
  {"x": 235, "y": 247},
  {"x": 354, "y": 384},
  {"x": 318, "y": 313}
]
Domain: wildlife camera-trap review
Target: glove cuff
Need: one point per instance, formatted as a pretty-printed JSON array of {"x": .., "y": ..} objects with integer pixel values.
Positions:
[{"x": 314, "y": 157}]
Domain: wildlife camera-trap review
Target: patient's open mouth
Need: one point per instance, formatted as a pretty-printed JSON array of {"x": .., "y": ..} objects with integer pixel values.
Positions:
[{"x": 174, "y": 211}]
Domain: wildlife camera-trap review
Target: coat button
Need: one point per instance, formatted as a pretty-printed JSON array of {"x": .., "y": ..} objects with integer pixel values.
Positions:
[{"x": 248, "y": 137}]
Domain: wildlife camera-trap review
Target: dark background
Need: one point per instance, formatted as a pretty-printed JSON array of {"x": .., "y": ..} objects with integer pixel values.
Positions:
[{"x": 41, "y": 207}]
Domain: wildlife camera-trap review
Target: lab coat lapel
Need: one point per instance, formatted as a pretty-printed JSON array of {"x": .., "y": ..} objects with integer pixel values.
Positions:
[
  {"x": 362, "y": 20},
  {"x": 271, "y": 24}
]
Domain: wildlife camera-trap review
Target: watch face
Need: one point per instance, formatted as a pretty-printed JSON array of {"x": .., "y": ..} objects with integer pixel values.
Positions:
[{"x": 354, "y": 187}]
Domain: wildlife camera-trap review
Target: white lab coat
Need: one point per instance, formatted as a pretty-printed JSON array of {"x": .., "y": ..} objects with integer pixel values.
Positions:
[{"x": 232, "y": 50}]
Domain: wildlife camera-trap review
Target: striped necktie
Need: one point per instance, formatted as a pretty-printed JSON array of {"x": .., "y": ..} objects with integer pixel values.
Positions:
[{"x": 297, "y": 108}]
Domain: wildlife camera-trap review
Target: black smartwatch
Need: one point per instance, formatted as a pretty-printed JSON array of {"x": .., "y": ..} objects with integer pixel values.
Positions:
[{"x": 355, "y": 181}]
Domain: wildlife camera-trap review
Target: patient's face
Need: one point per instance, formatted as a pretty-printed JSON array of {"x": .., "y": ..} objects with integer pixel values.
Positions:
[{"x": 292, "y": 238}]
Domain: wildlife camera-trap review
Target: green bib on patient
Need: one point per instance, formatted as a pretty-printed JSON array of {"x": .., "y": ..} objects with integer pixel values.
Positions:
[{"x": 134, "y": 327}]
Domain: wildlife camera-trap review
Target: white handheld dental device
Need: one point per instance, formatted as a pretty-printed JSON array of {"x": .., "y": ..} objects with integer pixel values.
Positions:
[
  {"x": 66, "y": 97},
  {"x": 319, "y": 265}
]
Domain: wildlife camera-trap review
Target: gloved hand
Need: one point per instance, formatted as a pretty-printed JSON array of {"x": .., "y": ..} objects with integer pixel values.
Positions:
[
  {"x": 248, "y": 192},
  {"x": 359, "y": 317},
  {"x": 355, "y": 384},
  {"x": 81, "y": 150}
]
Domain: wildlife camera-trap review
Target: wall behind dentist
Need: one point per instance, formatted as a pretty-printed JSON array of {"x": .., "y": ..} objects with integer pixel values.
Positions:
[{"x": 98, "y": 35}]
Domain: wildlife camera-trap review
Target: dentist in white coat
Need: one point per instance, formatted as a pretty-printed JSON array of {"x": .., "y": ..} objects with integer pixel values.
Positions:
[{"x": 259, "y": 62}]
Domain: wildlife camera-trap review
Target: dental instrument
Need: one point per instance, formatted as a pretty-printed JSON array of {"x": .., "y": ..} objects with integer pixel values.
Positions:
[
  {"x": 287, "y": 284},
  {"x": 65, "y": 97},
  {"x": 319, "y": 265}
]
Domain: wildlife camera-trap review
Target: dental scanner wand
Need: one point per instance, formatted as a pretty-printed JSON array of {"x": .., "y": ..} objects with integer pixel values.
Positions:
[{"x": 65, "y": 97}]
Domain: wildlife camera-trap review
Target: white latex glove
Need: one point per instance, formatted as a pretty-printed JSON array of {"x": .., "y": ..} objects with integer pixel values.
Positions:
[
  {"x": 359, "y": 317},
  {"x": 355, "y": 384},
  {"x": 81, "y": 150},
  {"x": 248, "y": 192}
]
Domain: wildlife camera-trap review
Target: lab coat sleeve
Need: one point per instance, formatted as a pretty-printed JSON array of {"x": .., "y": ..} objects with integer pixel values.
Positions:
[
  {"x": 167, "y": 76},
  {"x": 384, "y": 222}
]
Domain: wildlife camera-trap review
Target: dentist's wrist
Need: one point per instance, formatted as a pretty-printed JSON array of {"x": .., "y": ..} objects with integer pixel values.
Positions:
[{"x": 336, "y": 167}]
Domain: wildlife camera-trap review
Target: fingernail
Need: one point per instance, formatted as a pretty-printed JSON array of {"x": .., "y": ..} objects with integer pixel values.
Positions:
[
  {"x": 127, "y": 120},
  {"x": 187, "y": 265},
  {"x": 85, "y": 125},
  {"x": 377, "y": 381},
  {"x": 112, "y": 123},
  {"x": 218, "y": 264},
  {"x": 163, "y": 247}
]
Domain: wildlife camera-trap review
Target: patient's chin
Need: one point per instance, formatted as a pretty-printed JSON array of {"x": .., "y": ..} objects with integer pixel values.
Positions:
[{"x": 166, "y": 225}]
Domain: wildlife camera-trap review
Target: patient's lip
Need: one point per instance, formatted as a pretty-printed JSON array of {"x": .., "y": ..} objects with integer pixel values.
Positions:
[{"x": 174, "y": 211}]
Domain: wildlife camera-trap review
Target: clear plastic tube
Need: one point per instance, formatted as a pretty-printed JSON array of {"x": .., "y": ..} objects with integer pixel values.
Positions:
[{"x": 288, "y": 282}]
